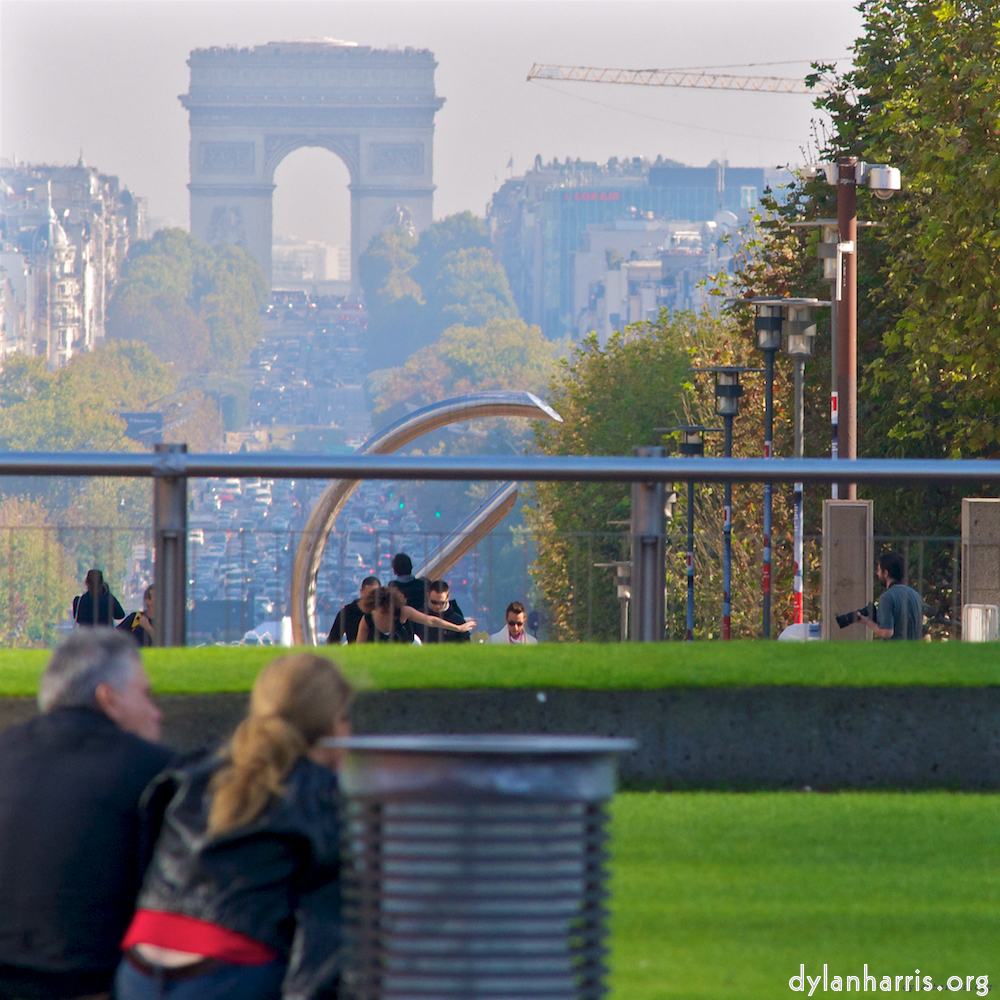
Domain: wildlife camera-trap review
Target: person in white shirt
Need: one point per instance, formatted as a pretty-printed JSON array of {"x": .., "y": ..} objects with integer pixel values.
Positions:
[{"x": 514, "y": 632}]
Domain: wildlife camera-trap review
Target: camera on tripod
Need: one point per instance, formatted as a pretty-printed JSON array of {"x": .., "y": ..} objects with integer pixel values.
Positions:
[{"x": 868, "y": 611}]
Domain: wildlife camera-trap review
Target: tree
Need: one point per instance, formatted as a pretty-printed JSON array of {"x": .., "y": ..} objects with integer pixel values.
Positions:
[
  {"x": 39, "y": 575},
  {"x": 416, "y": 288},
  {"x": 611, "y": 398},
  {"x": 462, "y": 231},
  {"x": 502, "y": 354},
  {"x": 923, "y": 96},
  {"x": 195, "y": 307},
  {"x": 470, "y": 288}
]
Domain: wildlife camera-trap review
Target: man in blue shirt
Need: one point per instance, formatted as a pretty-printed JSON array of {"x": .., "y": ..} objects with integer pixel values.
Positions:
[{"x": 900, "y": 608}]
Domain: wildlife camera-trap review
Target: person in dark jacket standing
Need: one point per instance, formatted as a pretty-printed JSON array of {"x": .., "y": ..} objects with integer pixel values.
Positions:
[
  {"x": 413, "y": 588},
  {"x": 70, "y": 849},
  {"x": 349, "y": 617},
  {"x": 242, "y": 897},
  {"x": 439, "y": 603},
  {"x": 97, "y": 605}
]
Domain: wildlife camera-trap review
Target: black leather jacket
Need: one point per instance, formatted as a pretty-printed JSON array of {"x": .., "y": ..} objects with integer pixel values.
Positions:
[{"x": 275, "y": 880}]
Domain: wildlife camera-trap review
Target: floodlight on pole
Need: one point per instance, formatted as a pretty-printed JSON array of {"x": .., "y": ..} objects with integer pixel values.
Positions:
[{"x": 883, "y": 181}]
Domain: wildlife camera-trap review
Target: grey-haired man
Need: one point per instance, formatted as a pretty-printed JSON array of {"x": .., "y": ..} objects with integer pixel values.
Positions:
[{"x": 70, "y": 855}]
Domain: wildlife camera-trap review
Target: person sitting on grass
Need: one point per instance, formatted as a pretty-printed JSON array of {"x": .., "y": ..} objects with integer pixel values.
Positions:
[
  {"x": 388, "y": 618},
  {"x": 241, "y": 900}
]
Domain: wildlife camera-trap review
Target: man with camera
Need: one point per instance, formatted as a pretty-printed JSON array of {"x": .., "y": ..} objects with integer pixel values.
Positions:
[{"x": 900, "y": 609}]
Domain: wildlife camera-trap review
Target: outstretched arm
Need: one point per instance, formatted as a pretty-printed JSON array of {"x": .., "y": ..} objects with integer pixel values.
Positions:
[{"x": 432, "y": 621}]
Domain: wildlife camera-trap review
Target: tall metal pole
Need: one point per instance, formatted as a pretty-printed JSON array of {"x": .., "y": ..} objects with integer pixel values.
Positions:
[
  {"x": 768, "y": 436},
  {"x": 797, "y": 549},
  {"x": 649, "y": 536},
  {"x": 847, "y": 317},
  {"x": 727, "y": 537},
  {"x": 170, "y": 548},
  {"x": 689, "y": 630},
  {"x": 834, "y": 396}
]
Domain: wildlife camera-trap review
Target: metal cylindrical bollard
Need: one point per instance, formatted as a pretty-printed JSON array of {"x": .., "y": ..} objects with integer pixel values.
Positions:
[{"x": 474, "y": 866}]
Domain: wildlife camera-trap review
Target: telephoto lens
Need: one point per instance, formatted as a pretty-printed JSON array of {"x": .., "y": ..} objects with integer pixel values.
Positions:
[{"x": 868, "y": 611}]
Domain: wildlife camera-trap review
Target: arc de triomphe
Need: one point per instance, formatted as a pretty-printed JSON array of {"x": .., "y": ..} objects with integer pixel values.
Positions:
[{"x": 250, "y": 108}]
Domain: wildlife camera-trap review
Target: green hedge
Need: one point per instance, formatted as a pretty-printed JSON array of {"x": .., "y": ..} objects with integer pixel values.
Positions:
[{"x": 592, "y": 667}]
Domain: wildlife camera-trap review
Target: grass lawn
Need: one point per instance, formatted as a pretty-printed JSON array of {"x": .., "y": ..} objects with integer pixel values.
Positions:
[
  {"x": 589, "y": 666},
  {"x": 720, "y": 895}
]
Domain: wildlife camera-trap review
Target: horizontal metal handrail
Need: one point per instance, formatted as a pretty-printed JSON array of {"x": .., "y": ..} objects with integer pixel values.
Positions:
[{"x": 558, "y": 468}]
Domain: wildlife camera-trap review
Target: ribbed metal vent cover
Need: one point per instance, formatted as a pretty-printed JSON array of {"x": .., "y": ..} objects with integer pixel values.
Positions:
[{"x": 476, "y": 874}]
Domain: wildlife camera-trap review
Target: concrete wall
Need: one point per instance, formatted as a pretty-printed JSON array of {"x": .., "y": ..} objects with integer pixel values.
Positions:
[{"x": 741, "y": 738}]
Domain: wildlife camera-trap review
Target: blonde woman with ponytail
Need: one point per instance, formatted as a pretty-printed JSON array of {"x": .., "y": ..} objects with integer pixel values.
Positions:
[{"x": 241, "y": 899}]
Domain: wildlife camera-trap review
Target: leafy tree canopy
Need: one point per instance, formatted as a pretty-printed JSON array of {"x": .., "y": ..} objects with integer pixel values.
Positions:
[
  {"x": 924, "y": 97},
  {"x": 416, "y": 288},
  {"x": 502, "y": 354},
  {"x": 611, "y": 398},
  {"x": 196, "y": 307},
  {"x": 463, "y": 231},
  {"x": 31, "y": 605}
]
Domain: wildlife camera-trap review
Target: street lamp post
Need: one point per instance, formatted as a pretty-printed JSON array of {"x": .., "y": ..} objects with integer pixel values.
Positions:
[
  {"x": 727, "y": 404},
  {"x": 772, "y": 315},
  {"x": 692, "y": 444},
  {"x": 800, "y": 334},
  {"x": 768, "y": 327}
]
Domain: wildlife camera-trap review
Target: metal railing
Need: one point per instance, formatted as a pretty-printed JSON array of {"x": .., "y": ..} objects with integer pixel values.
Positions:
[{"x": 171, "y": 470}]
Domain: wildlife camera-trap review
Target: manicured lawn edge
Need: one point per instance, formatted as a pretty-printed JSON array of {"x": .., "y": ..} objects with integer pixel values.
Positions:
[{"x": 585, "y": 666}]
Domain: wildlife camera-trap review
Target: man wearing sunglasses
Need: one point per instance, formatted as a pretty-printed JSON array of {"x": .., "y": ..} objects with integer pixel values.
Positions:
[
  {"x": 513, "y": 631},
  {"x": 439, "y": 603}
]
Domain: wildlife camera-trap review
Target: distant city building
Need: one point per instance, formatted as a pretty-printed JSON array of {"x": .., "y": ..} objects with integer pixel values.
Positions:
[
  {"x": 64, "y": 235},
  {"x": 309, "y": 265},
  {"x": 565, "y": 232}
]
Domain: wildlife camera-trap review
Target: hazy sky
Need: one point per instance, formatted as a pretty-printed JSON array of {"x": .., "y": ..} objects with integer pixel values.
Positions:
[{"x": 105, "y": 76}]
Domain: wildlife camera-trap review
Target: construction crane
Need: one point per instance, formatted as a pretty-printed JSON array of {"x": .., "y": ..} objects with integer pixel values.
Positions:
[{"x": 674, "y": 78}]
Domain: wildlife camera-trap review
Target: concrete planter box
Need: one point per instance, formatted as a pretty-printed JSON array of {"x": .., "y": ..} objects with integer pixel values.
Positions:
[{"x": 739, "y": 738}]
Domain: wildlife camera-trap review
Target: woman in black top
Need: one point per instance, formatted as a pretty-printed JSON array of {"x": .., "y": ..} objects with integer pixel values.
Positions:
[
  {"x": 388, "y": 618},
  {"x": 98, "y": 606}
]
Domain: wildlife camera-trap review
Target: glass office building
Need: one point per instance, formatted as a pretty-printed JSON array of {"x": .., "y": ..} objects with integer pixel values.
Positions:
[{"x": 538, "y": 220}]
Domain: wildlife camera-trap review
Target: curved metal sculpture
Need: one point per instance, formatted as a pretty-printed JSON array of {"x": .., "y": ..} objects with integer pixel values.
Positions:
[
  {"x": 477, "y": 525},
  {"x": 471, "y": 406}
]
